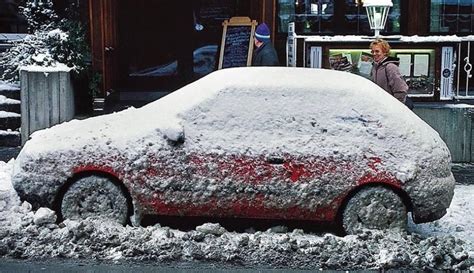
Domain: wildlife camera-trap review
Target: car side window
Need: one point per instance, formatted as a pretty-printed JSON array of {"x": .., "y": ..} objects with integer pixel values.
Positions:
[{"x": 257, "y": 119}]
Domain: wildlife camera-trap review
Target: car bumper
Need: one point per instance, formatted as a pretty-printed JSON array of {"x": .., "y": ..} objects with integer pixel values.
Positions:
[{"x": 431, "y": 202}]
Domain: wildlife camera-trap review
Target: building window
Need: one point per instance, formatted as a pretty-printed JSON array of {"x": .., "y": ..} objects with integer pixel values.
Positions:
[
  {"x": 285, "y": 9},
  {"x": 331, "y": 17},
  {"x": 452, "y": 16},
  {"x": 416, "y": 66},
  {"x": 355, "y": 17}
]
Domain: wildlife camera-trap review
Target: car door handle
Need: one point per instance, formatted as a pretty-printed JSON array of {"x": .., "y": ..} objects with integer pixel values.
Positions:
[{"x": 275, "y": 160}]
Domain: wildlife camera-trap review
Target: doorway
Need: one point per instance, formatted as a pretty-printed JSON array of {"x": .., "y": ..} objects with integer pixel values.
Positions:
[{"x": 164, "y": 45}]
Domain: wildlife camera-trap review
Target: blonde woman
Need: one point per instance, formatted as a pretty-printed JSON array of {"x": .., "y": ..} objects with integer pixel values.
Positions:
[{"x": 385, "y": 72}]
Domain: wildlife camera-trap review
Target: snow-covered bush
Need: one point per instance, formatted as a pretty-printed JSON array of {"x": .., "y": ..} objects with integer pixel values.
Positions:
[
  {"x": 51, "y": 41},
  {"x": 39, "y": 15},
  {"x": 33, "y": 50}
]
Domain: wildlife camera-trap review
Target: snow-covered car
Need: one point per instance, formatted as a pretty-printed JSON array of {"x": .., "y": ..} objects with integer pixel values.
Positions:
[{"x": 272, "y": 143}]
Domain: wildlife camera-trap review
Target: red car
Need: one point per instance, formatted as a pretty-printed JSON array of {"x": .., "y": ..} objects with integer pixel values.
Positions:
[{"x": 272, "y": 143}]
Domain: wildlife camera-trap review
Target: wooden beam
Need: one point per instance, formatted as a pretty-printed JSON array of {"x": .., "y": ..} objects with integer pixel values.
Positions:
[{"x": 418, "y": 24}]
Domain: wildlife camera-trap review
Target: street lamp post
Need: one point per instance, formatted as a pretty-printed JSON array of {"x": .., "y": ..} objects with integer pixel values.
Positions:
[{"x": 377, "y": 12}]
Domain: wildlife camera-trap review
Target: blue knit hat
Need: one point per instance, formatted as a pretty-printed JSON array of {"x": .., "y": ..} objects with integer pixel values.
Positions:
[{"x": 262, "y": 33}]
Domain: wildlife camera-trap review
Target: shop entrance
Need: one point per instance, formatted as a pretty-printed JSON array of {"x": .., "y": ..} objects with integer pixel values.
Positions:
[
  {"x": 155, "y": 45},
  {"x": 164, "y": 45}
]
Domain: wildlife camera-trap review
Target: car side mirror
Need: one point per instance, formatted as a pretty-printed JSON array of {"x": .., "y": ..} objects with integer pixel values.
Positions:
[{"x": 174, "y": 136}]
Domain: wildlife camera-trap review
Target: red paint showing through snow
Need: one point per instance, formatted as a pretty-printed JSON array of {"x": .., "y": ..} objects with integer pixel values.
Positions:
[
  {"x": 243, "y": 172},
  {"x": 96, "y": 168},
  {"x": 255, "y": 207}
]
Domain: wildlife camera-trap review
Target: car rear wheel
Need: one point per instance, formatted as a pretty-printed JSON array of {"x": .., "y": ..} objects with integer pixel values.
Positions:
[
  {"x": 97, "y": 197},
  {"x": 374, "y": 208}
]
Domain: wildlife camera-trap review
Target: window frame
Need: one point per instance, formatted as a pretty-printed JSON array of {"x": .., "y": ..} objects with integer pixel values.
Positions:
[
  {"x": 339, "y": 14},
  {"x": 449, "y": 31}
]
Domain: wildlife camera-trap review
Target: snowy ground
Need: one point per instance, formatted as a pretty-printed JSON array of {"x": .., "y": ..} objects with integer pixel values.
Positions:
[{"x": 444, "y": 244}]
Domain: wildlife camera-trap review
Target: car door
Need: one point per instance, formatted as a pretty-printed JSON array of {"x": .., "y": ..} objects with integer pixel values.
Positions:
[{"x": 245, "y": 150}]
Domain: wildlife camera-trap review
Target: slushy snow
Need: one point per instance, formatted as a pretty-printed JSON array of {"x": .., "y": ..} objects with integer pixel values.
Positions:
[
  {"x": 127, "y": 141},
  {"x": 333, "y": 130},
  {"x": 444, "y": 244}
]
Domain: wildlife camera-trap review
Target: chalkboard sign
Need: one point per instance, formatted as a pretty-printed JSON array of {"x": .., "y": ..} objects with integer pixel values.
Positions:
[{"x": 237, "y": 42}]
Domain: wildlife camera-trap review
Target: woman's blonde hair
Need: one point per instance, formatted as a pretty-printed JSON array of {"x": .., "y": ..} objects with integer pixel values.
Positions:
[{"x": 383, "y": 45}]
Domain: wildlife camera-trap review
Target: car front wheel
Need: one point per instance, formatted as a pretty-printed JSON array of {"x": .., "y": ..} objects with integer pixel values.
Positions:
[
  {"x": 374, "y": 208},
  {"x": 97, "y": 197}
]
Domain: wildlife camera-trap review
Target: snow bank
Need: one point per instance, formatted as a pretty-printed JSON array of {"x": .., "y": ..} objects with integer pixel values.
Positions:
[
  {"x": 8, "y": 196},
  {"x": 445, "y": 244}
]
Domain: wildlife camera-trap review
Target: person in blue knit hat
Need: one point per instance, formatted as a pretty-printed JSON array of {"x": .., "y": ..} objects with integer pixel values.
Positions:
[{"x": 264, "y": 54}]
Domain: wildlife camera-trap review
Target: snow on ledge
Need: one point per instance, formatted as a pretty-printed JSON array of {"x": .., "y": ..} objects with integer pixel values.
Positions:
[
  {"x": 9, "y": 132},
  {"x": 5, "y": 100},
  {"x": 378, "y": 3},
  {"x": 398, "y": 38},
  {"x": 60, "y": 67},
  {"x": 4, "y": 114}
]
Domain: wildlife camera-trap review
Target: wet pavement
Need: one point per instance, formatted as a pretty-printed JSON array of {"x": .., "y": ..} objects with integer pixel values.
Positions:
[{"x": 73, "y": 266}]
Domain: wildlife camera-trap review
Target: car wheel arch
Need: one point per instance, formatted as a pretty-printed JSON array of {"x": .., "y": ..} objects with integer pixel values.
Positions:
[
  {"x": 78, "y": 175},
  {"x": 400, "y": 192}
]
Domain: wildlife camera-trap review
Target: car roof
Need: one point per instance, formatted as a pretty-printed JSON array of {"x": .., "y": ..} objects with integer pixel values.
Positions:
[{"x": 317, "y": 82}]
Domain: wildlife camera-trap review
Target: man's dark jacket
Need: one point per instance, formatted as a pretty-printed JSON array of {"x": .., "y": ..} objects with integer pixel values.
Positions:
[{"x": 265, "y": 55}]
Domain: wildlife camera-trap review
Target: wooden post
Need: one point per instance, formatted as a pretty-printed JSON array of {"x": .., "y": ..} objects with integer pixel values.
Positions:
[{"x": 47, "y": 98}]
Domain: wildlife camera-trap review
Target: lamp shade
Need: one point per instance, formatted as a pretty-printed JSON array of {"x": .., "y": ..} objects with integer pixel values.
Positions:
[{"x": 377, "y": 12}]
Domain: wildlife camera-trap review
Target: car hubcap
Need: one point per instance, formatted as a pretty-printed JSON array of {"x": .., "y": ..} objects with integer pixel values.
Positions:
[
  {"x": 374, "y": 208},
  {"x": 96, "y": 197}
]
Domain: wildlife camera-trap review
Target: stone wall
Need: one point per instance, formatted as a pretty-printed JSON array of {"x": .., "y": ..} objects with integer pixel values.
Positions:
[{"x": 453, "y": 122}]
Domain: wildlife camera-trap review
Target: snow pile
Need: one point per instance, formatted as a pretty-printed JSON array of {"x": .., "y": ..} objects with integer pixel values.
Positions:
[
  {"x": 34, "y": 235},
  {"x": 8, "y": 196},
  {"x": 44, "y": 216},
  {"x": 12, "y": 212}
]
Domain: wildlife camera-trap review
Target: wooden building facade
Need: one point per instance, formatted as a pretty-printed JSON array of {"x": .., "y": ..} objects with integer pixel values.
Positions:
[{"x": 157, "y": 46}]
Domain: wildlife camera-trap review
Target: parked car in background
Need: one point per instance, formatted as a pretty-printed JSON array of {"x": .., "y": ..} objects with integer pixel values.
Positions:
[{"x": 270, "y": 143}]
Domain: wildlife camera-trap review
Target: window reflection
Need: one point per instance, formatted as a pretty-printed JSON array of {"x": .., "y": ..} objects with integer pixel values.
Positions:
[
  {"x": 355, "y": 17},
  {"x": 286, "y": 11},
  {"x": 452, "y": 16},
  {"x": 320, "y": 17},
  {"x": 314, "y": 16}
]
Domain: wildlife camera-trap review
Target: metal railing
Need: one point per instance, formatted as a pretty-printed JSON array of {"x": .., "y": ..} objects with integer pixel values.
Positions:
[{"x": 464, "y": 88}]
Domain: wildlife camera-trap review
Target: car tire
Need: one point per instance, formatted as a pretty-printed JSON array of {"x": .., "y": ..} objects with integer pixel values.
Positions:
[
  {"x": 374, "y": 208},
  {"x": 96, "y": 197}
]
